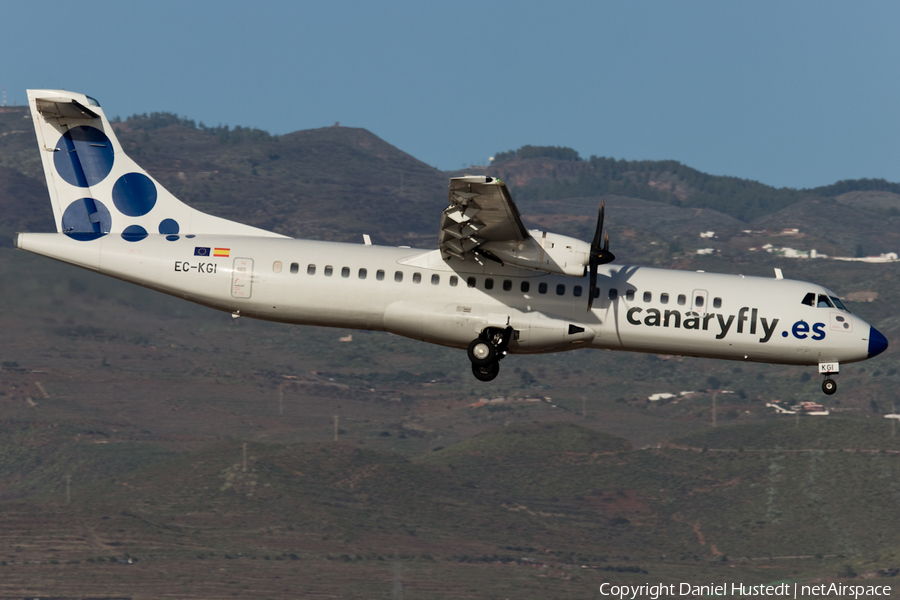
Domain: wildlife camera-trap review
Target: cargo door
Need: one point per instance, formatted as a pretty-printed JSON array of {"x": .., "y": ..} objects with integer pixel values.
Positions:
[{"x": 242, "y": 278}]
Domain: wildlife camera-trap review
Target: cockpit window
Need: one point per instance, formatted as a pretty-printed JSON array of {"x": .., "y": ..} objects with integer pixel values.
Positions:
[
  {"x": 824, "y": 302},
  {"x": 839, "y": 304},
  {"x": 809, "y": 299},
  {"x": 91, "y": 101}
]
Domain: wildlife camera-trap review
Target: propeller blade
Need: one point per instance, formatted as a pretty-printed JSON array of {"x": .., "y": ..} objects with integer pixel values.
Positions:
[
  {"x": 593, "y": 283},
  {"x": 598, "y": 234},
  {"x": 600, "y": 255}
]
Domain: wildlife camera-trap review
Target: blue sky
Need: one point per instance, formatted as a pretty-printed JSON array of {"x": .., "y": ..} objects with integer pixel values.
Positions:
[{"x": 793, "y": 94}]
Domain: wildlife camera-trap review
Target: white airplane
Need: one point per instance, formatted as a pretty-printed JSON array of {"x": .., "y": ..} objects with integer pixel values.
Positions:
[{"x": 492, "y": 287}]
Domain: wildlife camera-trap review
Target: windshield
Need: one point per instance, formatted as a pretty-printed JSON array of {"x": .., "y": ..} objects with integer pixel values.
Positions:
[{"x": 839, "y": 304}]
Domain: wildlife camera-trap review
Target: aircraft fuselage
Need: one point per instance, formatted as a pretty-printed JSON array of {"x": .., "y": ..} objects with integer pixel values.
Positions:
[{"x": 418, "y": 294}]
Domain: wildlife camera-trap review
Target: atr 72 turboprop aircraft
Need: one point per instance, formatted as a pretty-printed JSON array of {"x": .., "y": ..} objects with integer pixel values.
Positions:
[{"x": 492, "y": 287}]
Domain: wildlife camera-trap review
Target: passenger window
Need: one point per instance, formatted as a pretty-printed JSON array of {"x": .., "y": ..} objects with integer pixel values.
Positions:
[
  {"x": 698, "y": 301},
  {"x": 295, "y": 267},
  {"x": 596, "y": 292},
  {"x": 470, "y": 282},
  {"x": 417, "y": 278},
  {"x": 809, "y": 299},
  {"x": 525, "y": 287},
  {"x": 613, "y": 293},
  {"x": 542, "y": 288},
  {"x": 488, "y": 284},
  {"x": 454, "y": 281},
  {"x": 664, "y": 298},
  {"x": 824, "y": 302},
  {"x": 379, "y": 275},
  {"x": 717, "y": 303},
  {"x": 276, "y": 266},
  {"x": 328, "y": 270},
  {"x": 363, "y": 273},
  {"x": 345, "y": 272},
  {"x": 310, "y": 270},
  {"x": 576, "y": 291},
  {"x": 648, "y": 296},
  {"x": 435, "y": 279},
  {"x": 507, "y": 285},
  {"x": 398, "y": 276},
  {"x": 560, "y": 289},
  {"x": 682, "y": 300},
  {"x": 629, "y": 295}
]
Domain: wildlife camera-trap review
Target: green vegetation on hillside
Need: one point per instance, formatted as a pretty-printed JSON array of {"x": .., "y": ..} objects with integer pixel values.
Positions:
[
  {"x": 526, "y": 152},
  {"x": 857, "y": 185},
  {"x": 665, "y": 181},
  {"x": 160, "y": 120}
]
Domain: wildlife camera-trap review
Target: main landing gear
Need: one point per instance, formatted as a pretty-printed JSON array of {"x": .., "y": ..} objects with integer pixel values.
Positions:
[{"x": 487, "y": 351}]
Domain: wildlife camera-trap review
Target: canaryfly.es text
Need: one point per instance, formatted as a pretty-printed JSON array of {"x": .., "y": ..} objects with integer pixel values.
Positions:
[
  {"x": 781, "y": 590},
  {"x": 747, "y": 320}
]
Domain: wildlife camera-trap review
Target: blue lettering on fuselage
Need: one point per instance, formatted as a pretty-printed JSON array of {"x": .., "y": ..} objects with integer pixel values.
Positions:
[
  {"x": 694, "y": 320},
  {"x": 801, "y": 329},
  {"x": 653, "y": 317}
]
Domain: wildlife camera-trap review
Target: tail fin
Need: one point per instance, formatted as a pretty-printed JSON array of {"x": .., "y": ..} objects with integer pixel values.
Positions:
[{"x": 95, "y": 188}]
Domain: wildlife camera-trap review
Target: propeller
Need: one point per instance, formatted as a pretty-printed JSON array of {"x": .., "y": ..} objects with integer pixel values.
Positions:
[{"x": 600, "y": 255}]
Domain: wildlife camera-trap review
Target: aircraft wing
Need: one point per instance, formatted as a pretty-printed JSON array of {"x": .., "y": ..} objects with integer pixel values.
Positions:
[
  {"x": 481, "y": 211},
  {"x": 482, "y": 221}
]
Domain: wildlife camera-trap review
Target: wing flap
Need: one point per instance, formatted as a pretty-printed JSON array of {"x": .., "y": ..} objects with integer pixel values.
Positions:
[
  {"x": 482, "y": 222},
  {"x": 481, "y": 210}
]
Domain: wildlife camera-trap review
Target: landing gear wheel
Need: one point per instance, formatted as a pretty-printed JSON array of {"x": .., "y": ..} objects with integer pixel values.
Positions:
[
  {"x": 482, "y": 353},
  {"x": 829, "y": 386},
  {"x": 486, "y": 372}
]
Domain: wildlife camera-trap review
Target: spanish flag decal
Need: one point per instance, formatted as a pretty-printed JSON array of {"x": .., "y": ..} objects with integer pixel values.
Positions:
[{"x": 222, "y": 252}]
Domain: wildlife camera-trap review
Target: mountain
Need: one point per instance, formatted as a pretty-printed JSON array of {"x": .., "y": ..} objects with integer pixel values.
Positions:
[{"x": 143, "y": 435}]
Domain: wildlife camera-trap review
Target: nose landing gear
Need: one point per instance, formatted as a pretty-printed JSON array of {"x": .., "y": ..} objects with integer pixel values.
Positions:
[
  {"x": 829, "y": 386},
  {"x": 487, "y": 351}
]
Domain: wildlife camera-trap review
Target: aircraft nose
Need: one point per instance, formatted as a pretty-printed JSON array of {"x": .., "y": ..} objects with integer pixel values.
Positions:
[{"x": 877, "y": 342}]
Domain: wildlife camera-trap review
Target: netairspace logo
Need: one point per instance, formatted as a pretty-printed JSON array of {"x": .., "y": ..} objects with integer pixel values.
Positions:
[{"x": 781, "y": 590}]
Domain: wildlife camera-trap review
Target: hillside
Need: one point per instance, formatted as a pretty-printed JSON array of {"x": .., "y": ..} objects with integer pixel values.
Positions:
[
  {"x": 546, "y": 510},
  {"x": 333, "y": 183},
  {"x": 124, "y": 413}
]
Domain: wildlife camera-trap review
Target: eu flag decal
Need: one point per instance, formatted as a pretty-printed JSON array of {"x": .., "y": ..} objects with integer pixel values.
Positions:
[{"x": 198, "y": 251}]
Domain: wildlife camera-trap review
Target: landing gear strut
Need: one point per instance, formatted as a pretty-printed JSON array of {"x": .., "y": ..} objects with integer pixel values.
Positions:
[{"x": 487, "y": 351}]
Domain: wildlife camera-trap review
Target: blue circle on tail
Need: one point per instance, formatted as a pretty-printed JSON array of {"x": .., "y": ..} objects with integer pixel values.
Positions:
[
  {"x": 86, "y": 219},
  {"x": 134, "y": 194},
  {"x": 84, "y": 156}
]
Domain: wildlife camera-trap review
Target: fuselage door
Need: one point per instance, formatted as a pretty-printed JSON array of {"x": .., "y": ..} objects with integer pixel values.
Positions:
[
  {"x": 699, "y": 301},
  {"x": 242, "y": 278}
]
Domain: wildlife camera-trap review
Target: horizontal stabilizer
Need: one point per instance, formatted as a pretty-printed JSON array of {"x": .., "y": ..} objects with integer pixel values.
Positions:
[{"x": 68, "y": 108}]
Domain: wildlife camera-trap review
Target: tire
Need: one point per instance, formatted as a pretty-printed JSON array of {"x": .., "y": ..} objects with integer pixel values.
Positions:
[
  {"x": 482, "y": 353},
  {"x": 486, "y": 372},
  {"x": 829, "y": 386}
]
